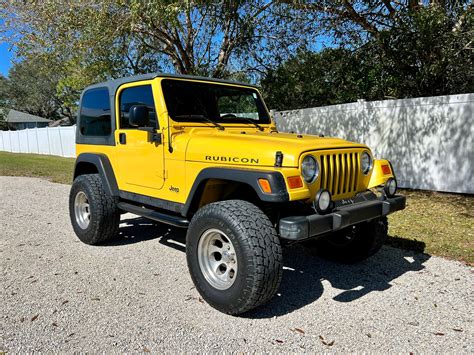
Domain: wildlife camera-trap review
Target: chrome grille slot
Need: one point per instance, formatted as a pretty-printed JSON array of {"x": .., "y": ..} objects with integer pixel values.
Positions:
[{"x": 339, "y": 173}]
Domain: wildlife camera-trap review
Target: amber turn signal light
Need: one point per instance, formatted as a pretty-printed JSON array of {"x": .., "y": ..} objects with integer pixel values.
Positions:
[
  {"x": 295, "y": 182},
  {"x": 386, "y": 169},
  {"x": 265, "y": 186}
]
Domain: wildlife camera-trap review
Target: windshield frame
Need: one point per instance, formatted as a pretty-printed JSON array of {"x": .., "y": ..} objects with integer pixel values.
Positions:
[{"x": 259, "y": 103}]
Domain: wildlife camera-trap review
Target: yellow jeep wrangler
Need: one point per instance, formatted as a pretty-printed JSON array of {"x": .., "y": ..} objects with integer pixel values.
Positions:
[{"x": 205, "y": 155}]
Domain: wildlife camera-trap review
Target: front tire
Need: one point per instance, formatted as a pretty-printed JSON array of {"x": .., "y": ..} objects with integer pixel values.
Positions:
[
  {"x": 94, "y": 215},
  {"x": 234, "y": 256},
  {"x": 352, "y": 244}
]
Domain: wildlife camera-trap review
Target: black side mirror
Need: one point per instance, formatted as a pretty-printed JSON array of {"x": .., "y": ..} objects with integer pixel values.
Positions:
[{"x": 139, "y": 116}]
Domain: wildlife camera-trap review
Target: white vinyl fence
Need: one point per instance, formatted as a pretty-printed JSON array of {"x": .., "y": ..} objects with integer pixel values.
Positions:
[
  {"x": 49, "y": 140},
  {"x": 428, "y": 140}
]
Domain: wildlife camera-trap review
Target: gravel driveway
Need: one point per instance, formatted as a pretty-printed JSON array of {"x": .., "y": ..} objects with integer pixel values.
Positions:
[{"x": 135, "y": 294}]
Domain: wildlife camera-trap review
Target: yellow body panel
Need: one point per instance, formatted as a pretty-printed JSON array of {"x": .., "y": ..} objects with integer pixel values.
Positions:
[
  {"x": 150, "y": 169},
  {"x": 378, "y": 177}
]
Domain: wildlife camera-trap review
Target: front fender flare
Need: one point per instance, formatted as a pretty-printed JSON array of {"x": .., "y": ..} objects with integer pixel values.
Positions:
[{"x": 247, "y": 176}]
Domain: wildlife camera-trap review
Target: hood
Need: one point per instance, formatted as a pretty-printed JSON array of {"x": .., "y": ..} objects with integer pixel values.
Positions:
[{"x": 256, "y": 148}]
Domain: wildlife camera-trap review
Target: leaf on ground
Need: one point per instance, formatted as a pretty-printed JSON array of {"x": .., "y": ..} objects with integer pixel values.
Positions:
[
  {"x": 369, "y": 335},
  {"x": 65, "y": 301},
  {"x": 34, "y": 317},
  {"x": 146, "y": 350},
  {"x": 95, "y": 299},
  {"x": 457, "y": 330},
  {"x": 299, "y": 330},
  {"x": 439, "y": 333},
  {"x": 279, "y": 341},
  {"x": 22, "y": 319},
  {"x": 54, "y": 324},
  {"x": 200, "y": 300},
  {"x": 331, "y": 343}
]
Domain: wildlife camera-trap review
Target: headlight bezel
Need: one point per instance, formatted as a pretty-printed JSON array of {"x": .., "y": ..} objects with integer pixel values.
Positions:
[
  {"x": 365, "y": 170},
  {"x": 312, "y": 177}
]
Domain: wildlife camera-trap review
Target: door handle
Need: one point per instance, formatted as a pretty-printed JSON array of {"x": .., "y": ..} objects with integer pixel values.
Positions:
[{"x": 123, "y": 138}]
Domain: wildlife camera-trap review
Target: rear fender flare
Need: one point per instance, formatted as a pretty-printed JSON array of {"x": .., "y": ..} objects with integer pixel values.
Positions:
[{"x": 104, "y": 169}]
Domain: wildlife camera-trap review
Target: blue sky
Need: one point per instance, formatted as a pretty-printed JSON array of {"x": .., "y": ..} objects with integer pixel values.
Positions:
[{"x": 5, "y": 58}]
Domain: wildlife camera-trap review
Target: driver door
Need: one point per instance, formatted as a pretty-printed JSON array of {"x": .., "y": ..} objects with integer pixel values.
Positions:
[{"x": 139, "y": 162}]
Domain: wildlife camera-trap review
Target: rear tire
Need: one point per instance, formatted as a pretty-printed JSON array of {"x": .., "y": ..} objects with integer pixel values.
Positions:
[
  {"x": 234, "y": 256},
  {"x": 94, "y": 215},
  {"x": 352, "y": 244}
]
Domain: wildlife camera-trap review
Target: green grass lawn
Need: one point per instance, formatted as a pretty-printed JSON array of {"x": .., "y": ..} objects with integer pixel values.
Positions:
[
  {"x": 435, "y": 223},
  {"x": 48, "y": 167}
]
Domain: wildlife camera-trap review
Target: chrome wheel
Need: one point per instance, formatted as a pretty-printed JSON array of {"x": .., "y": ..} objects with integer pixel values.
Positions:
[
  {"x": 82, "y": 210},
  {"x": 217, "y": 259}
]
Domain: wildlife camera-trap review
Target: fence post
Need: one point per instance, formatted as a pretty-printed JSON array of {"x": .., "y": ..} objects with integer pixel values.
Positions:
[
  {"x": 60, "y": 141},
  {"x": 27, "y": 141},
  {"x": 37, "y": 140},
  {"x": 49, "y": 143}
]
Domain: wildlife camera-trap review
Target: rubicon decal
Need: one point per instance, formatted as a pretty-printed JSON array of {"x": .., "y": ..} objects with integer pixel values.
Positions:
[{"x": 243, "y": 160}]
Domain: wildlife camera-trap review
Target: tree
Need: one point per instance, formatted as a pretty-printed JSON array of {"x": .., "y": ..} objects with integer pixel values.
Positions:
[
  {"x": 421, "y": 54},
  {"x": 31, "y": 87},
  {"x": 312, "y": 79},
  {"x": 3, "y": 103},
  {"x": 114, "y": 38}
]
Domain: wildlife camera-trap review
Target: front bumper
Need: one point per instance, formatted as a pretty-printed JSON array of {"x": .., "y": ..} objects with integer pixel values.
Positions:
[{"x": 303, "y": 227}]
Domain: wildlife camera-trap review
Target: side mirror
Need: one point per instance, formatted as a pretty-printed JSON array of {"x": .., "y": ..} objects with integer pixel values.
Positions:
[{"x": 139, "y": 116}]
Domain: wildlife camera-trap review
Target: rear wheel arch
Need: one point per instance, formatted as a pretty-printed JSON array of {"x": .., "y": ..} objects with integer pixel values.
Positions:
[{"x": 96, "y": 163}]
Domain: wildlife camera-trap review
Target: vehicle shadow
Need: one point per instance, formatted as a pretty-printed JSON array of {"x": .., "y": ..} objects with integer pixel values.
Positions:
[
  {"x": 303, "y": 274},
  {"x": 138, "y": 229},
  {"x": 303, "y": 277}
]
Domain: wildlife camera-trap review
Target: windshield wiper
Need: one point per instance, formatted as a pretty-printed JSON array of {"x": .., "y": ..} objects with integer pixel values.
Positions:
[
  {"x": 260, "y": 128},
  {"x": 200, "y": 117},
  {"x": 231, "y": 115}
]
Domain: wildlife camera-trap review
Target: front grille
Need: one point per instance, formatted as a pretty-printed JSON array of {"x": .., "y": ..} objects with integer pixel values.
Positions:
[{"x": 339, "y": 173}]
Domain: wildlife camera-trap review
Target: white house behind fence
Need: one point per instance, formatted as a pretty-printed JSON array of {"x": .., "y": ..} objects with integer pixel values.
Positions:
[{"x": 429, "y": 140}]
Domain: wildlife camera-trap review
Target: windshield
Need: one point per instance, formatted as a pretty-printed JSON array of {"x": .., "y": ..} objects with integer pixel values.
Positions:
[{"x": 200, "y": 102}]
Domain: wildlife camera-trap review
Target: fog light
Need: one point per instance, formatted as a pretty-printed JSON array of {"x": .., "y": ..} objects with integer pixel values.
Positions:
[
  {"x": 322, "y": 201},
  {"x": 390, "y": 187}
]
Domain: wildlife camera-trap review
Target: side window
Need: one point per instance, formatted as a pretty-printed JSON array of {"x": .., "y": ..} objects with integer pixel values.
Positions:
[
  {"x": 95, "y": 117},
  {"x": 137, "y": 95}
]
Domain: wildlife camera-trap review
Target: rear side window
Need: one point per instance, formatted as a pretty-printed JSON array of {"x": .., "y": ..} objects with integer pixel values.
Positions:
[
  {"x": 95, "y": 117},
  {"x": 137, "y": 95}
]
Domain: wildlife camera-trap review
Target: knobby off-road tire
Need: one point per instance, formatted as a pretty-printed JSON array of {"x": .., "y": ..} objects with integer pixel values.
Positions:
[
  {"x": 94, "y": 214},
  {"x": 352, "y": 244},
  {"x": 254, "y": 256}
]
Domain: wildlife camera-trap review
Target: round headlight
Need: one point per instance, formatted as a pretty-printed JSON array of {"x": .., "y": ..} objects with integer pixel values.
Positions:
[
  {"x": 309, "y": 168},
  {"x": 365, "y": 162}
]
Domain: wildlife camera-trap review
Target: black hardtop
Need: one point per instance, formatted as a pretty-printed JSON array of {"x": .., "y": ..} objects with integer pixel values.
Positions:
[{"x": 114, "y": 84}]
